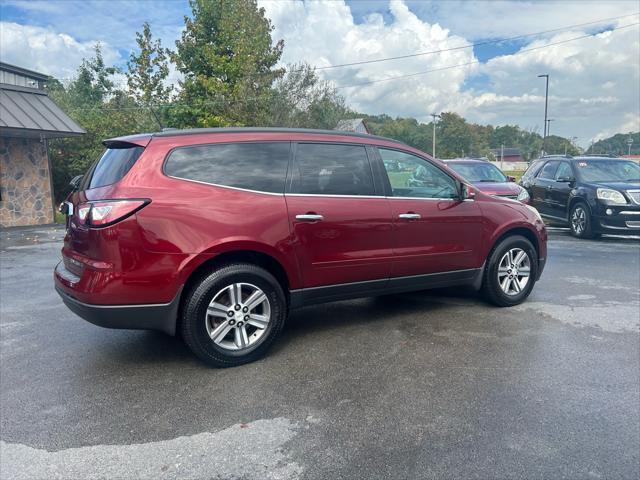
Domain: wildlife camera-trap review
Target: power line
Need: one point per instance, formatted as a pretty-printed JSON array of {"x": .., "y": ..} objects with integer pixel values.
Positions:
[
  {"x": 473, "y": 62},
  {"x": 486, "y": 42}
]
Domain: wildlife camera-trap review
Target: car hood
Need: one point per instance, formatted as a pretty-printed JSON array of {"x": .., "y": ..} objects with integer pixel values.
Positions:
[
  {"x": 618, "y": 185},
  {"x": 498, "y": 188}
]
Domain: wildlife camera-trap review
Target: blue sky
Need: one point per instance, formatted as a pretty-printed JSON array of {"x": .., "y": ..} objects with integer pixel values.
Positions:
[{"x": 594, "y": 82}]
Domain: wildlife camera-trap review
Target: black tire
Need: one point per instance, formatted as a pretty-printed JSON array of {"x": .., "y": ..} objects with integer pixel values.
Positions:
[
  {"x": 585, "y": 230},
  {"x": 193, "y": 325},
  {"x": 491, "y": 288}
]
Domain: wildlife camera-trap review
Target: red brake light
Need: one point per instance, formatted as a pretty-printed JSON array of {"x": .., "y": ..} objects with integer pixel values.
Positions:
[{"x": 107, "y": 212}]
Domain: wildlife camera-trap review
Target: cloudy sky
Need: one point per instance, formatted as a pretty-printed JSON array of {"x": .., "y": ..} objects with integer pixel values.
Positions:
[{"x": 594, "y": 87}]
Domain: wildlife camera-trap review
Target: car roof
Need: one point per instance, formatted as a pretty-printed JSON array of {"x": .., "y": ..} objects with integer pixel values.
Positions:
[{"x": 171, "y": 132}]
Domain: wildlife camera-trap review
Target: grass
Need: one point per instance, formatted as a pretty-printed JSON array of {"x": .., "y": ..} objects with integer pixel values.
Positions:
[
  {"x": 514, "y": 173},
  {"x": 59, "y": 218}
]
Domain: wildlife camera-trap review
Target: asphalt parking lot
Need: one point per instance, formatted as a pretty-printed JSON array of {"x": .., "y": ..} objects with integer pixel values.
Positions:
[{"x": 421, "y": 385}]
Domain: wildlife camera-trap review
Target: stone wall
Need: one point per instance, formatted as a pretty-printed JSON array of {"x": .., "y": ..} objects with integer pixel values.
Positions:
[{"x": 24, "y": 182}]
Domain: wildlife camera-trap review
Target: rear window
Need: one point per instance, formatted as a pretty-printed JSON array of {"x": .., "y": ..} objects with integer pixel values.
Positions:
[
  {"x": 112, "y": 166},
  {"x": 252, "y": 166}
]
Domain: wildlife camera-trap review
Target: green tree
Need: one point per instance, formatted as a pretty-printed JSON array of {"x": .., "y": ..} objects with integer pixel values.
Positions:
[
  {"x": 148, "y": 69},
  {"x": 104, "y": 111},
  {"x": 617, "y": 144},
  {"x": 301, "y": 99},
  {"x": 228, "y": 61}
]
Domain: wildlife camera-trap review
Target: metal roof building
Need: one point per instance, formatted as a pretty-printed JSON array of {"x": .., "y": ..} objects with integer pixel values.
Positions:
[{"x": 28, "y": 117}]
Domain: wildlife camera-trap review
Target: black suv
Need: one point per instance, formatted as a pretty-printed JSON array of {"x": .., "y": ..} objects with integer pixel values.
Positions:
[{"x": 593, "y": 195}]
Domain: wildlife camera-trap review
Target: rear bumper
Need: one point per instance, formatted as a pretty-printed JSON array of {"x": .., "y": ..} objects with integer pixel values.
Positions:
[{"x": 160, "y": 317}]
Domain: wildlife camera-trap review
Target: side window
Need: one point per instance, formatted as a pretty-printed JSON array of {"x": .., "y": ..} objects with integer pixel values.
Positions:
[
  {"x": 548, "y": 172},
  {"x": 533, "y": 170},
  {"x": 412, "y": 176},
  {"x": 253, "y": 166},
  {"x": 329, "y": 169},
  {"x": 564, "y": 171}
]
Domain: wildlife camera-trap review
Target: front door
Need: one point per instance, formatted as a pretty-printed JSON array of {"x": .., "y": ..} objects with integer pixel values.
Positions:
[
  {"x": 434, "y": 231},
  {"x": 341, "y": 224}
]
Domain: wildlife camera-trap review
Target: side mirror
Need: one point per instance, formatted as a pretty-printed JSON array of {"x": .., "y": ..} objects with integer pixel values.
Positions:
[
  {"x": 75, "y": 182},
  {"x": 467, "y": 193},
  {"x": 510, "y": 178}
]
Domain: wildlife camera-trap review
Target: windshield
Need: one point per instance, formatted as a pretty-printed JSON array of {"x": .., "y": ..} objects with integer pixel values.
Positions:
[
  {"x": 479, "y": 172},
  {"x": 608, "y": 170}
]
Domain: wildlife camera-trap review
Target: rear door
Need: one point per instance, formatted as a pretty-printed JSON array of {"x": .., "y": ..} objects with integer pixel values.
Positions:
[
  {"x": 434, "y": 231},
  {"x": 339, "y": 217},
  {"x": 542, "y": 186}
]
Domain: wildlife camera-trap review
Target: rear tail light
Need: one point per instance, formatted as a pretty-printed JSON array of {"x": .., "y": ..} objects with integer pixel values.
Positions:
[{"x": 103, "y": 213}]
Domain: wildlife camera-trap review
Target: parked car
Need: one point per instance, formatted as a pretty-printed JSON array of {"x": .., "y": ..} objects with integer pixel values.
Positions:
[
  {"x": 216, "y": 234},
  {"x": 592, "y": 195},
  {"x": 488, "y": 178}
]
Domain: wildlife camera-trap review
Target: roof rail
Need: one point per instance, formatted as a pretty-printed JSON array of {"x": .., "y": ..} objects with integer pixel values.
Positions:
[
  {"x": 561, "y": 155},
  {"x": 605, "y": 155}
]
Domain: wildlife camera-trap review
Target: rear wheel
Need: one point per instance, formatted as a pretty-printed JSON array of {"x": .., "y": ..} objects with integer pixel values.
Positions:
[
  {"x": 510, "y": 272},
  {"x": 233, "y": 315},
  {"x": 580, "y": 221}
]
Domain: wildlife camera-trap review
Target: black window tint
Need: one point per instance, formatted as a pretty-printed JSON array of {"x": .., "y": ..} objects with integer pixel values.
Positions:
[
  {"x": 254, "y": 166},
  {"x": 548, "y": 172},
  {"x": 325, "y": 169},
  {"x": 112, "y": 166},
  {"x": 564, "y": 171},
  {"x": 411, "y": 176}
]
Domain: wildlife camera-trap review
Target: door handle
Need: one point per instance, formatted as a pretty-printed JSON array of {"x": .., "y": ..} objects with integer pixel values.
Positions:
[
  {"x": 549, "y": 187},
  {"x": 410, "y": 216},
  {"x": 309, "y": 217}
]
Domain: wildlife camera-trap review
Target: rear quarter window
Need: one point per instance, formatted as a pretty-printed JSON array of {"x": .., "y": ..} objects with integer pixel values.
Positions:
[{"x": 253, "y": 166}]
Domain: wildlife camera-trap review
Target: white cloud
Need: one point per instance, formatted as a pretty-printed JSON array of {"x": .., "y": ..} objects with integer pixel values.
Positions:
[
  {"x": 325, "y": 33},
  {"x": 594, "y": 81},
  {"x": 47, "y": 51}
]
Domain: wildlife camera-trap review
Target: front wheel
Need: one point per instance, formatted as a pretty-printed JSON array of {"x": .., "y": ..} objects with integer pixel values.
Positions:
[
  {"x": 510, "y": 272},
  {"x": 580, "y": 221},
  {"x": 233, "y": 315}
]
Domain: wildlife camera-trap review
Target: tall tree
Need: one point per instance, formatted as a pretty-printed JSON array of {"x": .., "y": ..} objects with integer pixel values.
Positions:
[
  {"x": 228, "y": 61},
  {"x": 148, "y": 70},
  {"x": 301, "y": 99}
]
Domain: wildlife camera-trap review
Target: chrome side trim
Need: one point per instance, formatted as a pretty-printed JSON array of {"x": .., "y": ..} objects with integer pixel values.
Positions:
[
  {"x": 629, "y": 212},
  {"x": 225, "y": 186}
]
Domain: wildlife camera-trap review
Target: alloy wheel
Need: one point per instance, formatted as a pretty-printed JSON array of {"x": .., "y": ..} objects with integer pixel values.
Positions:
[
  {"x": 238, "y": 316},
  {"x": 514, "y": 271},
  {"x": 579, "y": 220}
]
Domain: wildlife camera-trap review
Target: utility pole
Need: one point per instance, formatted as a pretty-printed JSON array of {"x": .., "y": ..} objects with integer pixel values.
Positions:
[
  {"x": 546, "y": 104},
  {"x": 629, "y": 143},
  {"x": 502, "y": 157},
  {"x": 433, "y": 151}
]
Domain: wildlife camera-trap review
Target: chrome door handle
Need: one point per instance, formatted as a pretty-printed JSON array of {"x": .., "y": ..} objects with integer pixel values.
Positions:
[
  {"x": 309, "y": 217},
  {"x": 409, "y": 216}
]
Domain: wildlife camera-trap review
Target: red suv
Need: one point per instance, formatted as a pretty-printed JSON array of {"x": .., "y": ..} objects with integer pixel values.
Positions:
[{"x": 216, "y": 234}]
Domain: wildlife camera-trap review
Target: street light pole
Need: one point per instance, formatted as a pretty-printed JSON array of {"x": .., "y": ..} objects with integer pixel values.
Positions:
[
  {"x": 629, "y": 143},
  {"x": 433, "y": 150},
  {"x": 549, "y": 126},
  {"x": 546, "y": 104}
]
